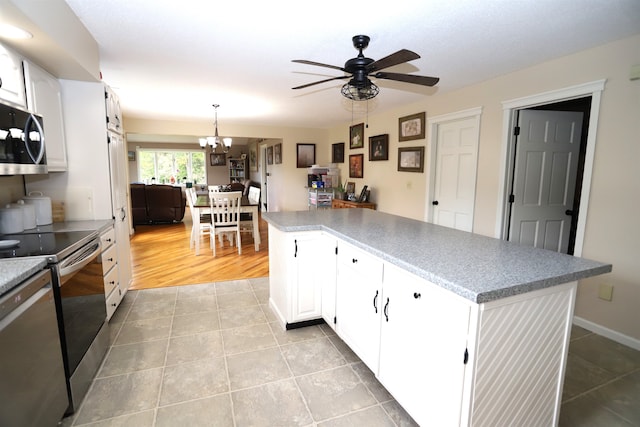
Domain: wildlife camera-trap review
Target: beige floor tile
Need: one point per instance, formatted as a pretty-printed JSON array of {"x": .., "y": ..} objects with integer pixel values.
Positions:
[
  {"x": 233, "y": 286},
  {"x": 200, "y": 290},
  {"x": 273, "y": 404},
  {"x": 151, "y": 310},
  {"x": 247, "y": 338},
  {"x": 207, "y": 412},
  {"x": 606, "y": 354},
  {"x": 582, "y": 376},
  {"x": 194, "y": 380},
  {"x": 123, "y": 359},
  {"x": 374, "y": 416},
  {"x": 622, "y": 396},
  {"x": 312, "y": 356},
  {"x": 189, "y": 348},
  {"x": 144, "y": 330},
  {"x": 368, "y": 378},
  {"x": 195, "y": 323},
  {"x": 196, "y": 304},
  {"x": 398, "y": 414},
  {"x": 236, "y": 300},
  {"x": 241, "y": 316},
  {"x": 139, "y": 419},
  {"x": 256, "y": 368},
  {"x": 586, "y": 412}
]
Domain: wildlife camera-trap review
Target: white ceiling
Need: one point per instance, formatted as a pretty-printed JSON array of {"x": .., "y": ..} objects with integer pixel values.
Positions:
[{"x": 173, "y": 59}]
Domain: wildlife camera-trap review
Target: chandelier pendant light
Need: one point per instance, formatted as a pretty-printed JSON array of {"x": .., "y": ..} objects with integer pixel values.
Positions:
[{"x": 214, "y": 141}]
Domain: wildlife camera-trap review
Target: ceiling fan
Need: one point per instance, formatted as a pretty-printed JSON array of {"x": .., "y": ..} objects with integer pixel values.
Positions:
[{"x": 360, "y": 68}]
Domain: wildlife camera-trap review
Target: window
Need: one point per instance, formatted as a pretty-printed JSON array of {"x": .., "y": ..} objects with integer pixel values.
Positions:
[{"x": 161, "y": 166}]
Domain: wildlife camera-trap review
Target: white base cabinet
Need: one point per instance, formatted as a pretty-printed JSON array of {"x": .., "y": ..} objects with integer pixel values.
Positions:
[
  {"x": 298, "y": 273},
  {"x": 447, "y": 360}
]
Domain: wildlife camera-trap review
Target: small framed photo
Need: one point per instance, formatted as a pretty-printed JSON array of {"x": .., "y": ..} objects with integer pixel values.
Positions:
[
  {"x": 379, "y": 147},
  {"x": 337, "y": 152},
  {"x": 277, "y": 153},
  {"x": 305, "y": 155},
  {"x": 351, "y": 187},
  {"x": 356, "y": 136},
  {"x": 270, "y": 155},
  {"x": 253, "y": 158},
  {"x": 411, "y": 127},
  {"x": 131, "y": 155},
  {"x": 356, "y": 163},
  {"x": 411, "y": 159},
  {"x": 218, "y": 159}
]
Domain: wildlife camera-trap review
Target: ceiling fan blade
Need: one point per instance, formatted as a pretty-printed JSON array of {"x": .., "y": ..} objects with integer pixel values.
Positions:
[
  {"x": 321, "y": 81},
  {"x": 400, "y": 57},
  {"x": 319, "y": 64},
  {"x": 408, "y": 78}
]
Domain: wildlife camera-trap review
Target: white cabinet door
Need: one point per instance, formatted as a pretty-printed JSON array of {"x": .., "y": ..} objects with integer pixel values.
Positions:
[
  {"x": 422, "y": 350},
  {"x": 44, "y": 97},
  {"x": 12, "y": 78},
  {"x": 300, "y": 266},
  {"x": 359, "y": 302},
  {"x": 114, "y": 113}
]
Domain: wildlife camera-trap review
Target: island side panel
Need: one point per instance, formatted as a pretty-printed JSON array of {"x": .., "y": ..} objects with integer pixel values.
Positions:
[{"x": 521, "y": 352}]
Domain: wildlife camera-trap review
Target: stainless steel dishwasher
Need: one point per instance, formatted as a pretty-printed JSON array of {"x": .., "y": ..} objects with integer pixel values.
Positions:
[{"x": 33, "y": 389}]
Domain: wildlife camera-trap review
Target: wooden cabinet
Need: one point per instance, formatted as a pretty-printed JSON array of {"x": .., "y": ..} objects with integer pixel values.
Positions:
[
  {"x": 298, "y": 274},
  {"x": 44, "y": 97},
  {"x": 237, "y": 170},
  {"x": 422, "y": 347},
  {"x": 359, "y": 302},
  {"x": 345, "y": 204},
  {"x": 12, "y": 78}
]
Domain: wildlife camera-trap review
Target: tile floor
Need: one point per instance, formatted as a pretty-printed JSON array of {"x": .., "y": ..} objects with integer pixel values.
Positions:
[{"x": 212, "y": 354}]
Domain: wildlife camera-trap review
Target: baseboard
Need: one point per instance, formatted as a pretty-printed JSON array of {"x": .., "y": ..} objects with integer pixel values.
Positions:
[{"x": 607, "y": 333}]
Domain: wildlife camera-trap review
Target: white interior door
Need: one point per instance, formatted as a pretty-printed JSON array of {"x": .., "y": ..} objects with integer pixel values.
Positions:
[
  {"x": 455, "y": 173},
  {"x": 544, "y": 181}
]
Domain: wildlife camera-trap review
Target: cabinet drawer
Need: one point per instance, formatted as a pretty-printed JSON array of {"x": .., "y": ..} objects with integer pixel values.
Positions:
[
  {"x": 108, "y": 238},
  {"x": 357, "y": 259},
  {"x": 108, "y": 259},
  {"x": 113, "y": 301},
  {"x": 111, "y": 280}
]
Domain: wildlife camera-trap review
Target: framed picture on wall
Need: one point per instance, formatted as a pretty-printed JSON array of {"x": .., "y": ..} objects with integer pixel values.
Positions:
[
  {"x": 253, "y": 157},
  {"x": 277, "y": 153},
  {"x": 379, "y": 147},
  {"x": 356, "y": 136},
  {"x": 305, "y": 155},
  {"x": 270, "y": 155},
  {"x": 356, "y": 163},
  {"x": 411, "y": 159},
  {"x": 411, "y": 127},
  {"x": 337, "y": 152},
  {"x": 218, "y": 159}
]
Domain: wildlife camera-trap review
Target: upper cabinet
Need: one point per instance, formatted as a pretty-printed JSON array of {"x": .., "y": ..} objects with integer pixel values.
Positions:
[
  {"x": 11, "y": 78},
  {"x": 45, "y": 99},
  {"x": 114, "y": 115}
]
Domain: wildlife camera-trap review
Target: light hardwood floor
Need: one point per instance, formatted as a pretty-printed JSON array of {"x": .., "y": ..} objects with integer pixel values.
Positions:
[{"x": 161, "y": 257}]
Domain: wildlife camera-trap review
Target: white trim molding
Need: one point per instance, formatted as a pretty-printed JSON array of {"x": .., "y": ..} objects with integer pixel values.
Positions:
[{"x": 607, "y": 333}]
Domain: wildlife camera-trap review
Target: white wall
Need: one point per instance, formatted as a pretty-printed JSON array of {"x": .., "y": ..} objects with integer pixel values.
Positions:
[{"x": 612, "y": 233}]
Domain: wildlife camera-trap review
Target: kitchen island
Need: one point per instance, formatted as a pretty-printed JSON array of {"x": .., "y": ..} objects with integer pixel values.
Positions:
[{"x": 462, "y": 329}]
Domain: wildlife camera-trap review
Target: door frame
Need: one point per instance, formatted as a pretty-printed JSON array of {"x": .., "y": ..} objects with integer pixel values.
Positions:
[
  {"x": 509, "y": 112},
  {"x": 433, "y": 124}
]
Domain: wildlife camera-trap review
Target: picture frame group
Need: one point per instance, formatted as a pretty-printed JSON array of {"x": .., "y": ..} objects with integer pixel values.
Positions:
[
  {"x": 411, "y": 159},
  {"x": 412, "y": 127},
  {"x": 379, "y": 147},
  {"x": 218, "y": 159},
  {"x": 305, "y": 155}
]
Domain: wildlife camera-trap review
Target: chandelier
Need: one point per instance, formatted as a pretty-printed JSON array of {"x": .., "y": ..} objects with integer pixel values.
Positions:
[{"x": 215, "y": 141}]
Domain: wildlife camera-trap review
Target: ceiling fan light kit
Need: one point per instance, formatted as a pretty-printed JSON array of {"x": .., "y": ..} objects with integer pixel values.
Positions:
[
  {"x": 360, "y": 88},
  {"x": 215, "y": 141}
]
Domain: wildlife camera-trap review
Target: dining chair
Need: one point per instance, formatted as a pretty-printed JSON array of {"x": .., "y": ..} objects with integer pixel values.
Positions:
[
  {"x": 200, "y": 218},
  {"x": 246, "y": 219},
  {"x": 225, "y": 216}
]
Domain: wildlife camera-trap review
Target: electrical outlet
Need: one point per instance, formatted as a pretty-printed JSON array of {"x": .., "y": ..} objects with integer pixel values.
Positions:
[{"x": 605, "y": 291}]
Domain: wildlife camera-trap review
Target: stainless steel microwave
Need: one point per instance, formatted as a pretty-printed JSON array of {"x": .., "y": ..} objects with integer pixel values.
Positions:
[{"x": 22, "y": 148}]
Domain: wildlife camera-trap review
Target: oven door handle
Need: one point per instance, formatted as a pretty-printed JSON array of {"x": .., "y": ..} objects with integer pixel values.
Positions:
[{"x": 80, "y": 259}]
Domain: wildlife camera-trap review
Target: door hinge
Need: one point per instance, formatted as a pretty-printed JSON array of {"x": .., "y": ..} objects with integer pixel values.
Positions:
[
  {"x": 512, "y": 198},
  {"x": 466, "y": 356},
  {"x": 516, "y": 130}
]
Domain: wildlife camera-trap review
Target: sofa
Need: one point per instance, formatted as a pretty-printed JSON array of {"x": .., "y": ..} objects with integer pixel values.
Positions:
[{"x": 157, "y": 203}]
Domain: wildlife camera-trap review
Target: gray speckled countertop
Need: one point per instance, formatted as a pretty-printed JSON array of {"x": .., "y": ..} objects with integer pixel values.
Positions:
[
  {"x": 14, "y": 271},
  {"x": 476, "y": 267}
]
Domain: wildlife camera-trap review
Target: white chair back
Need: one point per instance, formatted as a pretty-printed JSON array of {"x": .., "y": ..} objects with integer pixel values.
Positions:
[
  {"x": 254, "y": 195},
  {"x": 225, "y": 214}
]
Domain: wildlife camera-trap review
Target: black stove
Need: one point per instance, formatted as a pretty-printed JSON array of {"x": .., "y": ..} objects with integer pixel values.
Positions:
[{"x": 53, "y": 246}]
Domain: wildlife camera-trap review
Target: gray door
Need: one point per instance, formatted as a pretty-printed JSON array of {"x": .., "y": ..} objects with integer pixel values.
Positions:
[{"x": 546, "y": 166}]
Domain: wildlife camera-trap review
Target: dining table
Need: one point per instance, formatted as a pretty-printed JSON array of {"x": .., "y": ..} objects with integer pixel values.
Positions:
[{"x": 246, "y": 206}]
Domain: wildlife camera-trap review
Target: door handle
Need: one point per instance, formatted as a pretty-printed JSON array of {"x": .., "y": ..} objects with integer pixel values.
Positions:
[
  {"x": 435, "y": 203},
  {"x": 568, "y": 212},
  {"x": 386, "y": 310}
]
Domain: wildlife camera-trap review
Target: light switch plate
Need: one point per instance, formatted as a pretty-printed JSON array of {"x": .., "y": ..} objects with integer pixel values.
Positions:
[
  {"x": 605, "y": 291},
  {"x": 635, "y": 72}
]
